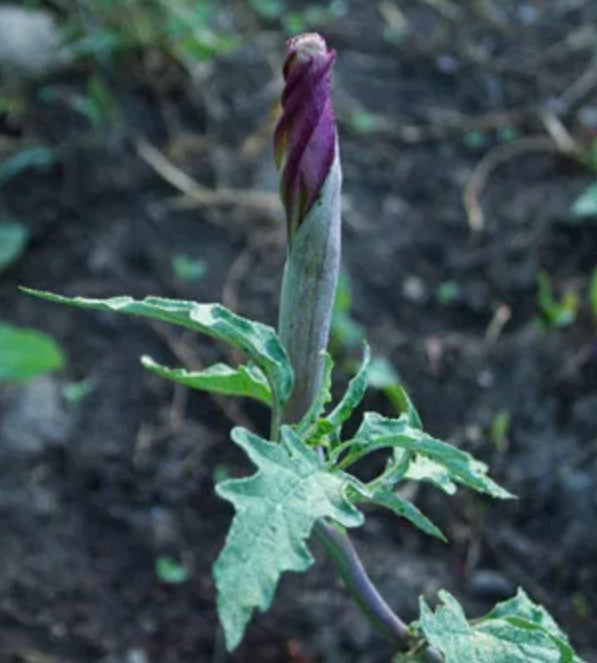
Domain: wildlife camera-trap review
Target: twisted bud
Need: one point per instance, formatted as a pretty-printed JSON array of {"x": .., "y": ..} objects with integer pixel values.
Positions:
[{"x": 306, "y": 152}]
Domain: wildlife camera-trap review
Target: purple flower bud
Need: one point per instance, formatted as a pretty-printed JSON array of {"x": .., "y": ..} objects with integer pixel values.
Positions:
[
  {"x": 307, "y": 154},
  {"x": 305, "y": 138}
]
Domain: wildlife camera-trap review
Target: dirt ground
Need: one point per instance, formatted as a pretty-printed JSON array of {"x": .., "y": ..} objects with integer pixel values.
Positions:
[{"x": 92, "y": 493}]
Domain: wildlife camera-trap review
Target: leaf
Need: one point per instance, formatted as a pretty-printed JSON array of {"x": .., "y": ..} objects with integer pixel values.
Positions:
[
  {"x": 521, "y": 608},
  {"x": 276, "y": 509},
  {"x": 259, "y": 341},
  {"x": 382, "y": 375},
  {"x": 323, "y": 397},
  {"x": 377, "y": 432},
  {"x": 593, "y": 293},
  {"x": 31, "y": 157},
  {"x": 188, "y": 269},
  {"x": 491, "y": 640},
  {"x": 586, "y": 204},
  {"x": 353, "y": 396},
  {"x": 424, "y": 469},
  {"x": 25, "y": 353},
  {"x": 248, "y": 380},
  {"x": 13, "y": 240},
  {"x": 170, "y": 571},
  {"x": 405, "y": 509}
]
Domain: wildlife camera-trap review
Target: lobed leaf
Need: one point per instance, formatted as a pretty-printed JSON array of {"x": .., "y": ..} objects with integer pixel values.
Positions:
[
  {"x": 377, "y": 432},
  {"x": 257, "y": 340},
  {"x": 246, "y": 380},
  {"x": 510, "y": 634},
  {"x": 276, "y": 509}
]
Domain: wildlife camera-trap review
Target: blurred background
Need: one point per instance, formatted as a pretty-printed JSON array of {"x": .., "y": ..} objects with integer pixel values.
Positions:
[{"x": 135, "y": 158}]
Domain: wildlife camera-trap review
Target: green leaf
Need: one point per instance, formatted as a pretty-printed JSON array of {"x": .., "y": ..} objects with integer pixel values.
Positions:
[
  {"x": 377, "y": 432},
  {"x": 424, "y": 469},
  {"x": 405, "y": 509},
  {"x": 323, "y": 397},
  {"x": 383, "y": 376},
  {"x": 248, "y": 381},
  {"x": 189, "y": 269},
  {"x": 276, "y": 509},
  {"x": 259, "y": 341},
  {"x": 170, "y": 571},
  {"x": 586, "y": 204},
  {"x": 494, "y": 639},
  {"x": 353, "y": 396},
  {"x": 13, "y": 240},
  {"x": 520, "y": 609},
  {"x": 593, "y": 293},
  {"x": 25, "y": 353},
  {"x": 31, "y": 157}
]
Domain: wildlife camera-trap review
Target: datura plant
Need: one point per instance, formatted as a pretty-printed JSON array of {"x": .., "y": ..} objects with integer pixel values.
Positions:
[{"x": 304, "y": 487}]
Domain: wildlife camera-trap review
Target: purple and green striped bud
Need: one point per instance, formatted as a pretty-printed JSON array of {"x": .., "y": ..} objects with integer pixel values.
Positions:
[
  {"x": 305, "y": 137},
  {"x": 306, "y": 149}
]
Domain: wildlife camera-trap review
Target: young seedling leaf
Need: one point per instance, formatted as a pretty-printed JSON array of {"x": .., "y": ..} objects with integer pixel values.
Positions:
[
  {"x": 26, "y": 353},
  {"x": 276, "y": 509},
  {"x": 405, "y": 509},
  {"x": 246, "y": 380},
  {"x": 323, "y": 397},
  {"x": 353, "y": 396},
  {"x": 506, "y": 638},
  {"x": 13, "y": 240},
  {"x": 377, "y": 432},
  {"x": 257, "y": 340}
]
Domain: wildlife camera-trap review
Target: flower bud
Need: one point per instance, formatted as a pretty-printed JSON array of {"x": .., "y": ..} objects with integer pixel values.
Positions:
[
  {"x": 305, "y": 138},
  {"x": 306, "y": 149}
]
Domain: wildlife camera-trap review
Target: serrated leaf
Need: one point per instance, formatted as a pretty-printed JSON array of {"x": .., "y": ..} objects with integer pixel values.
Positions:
[
  {"x": 405, "y": 509},
  {"x": 276, "y": 509},
  {"x": 324, "y": 396},
  {"x": 352, "y": 397},
  {"x": 259, "y": 341},
  {"x": 520, "y": 609},
  {"x": 492, "y": 640},
  {"x": 377, "y": 432},
  {"x": 26, "y": 353},
  {"x": 13, "y": 240},
  {"x": 246, "y": 380},
  {"x": 586, "y": 204}
]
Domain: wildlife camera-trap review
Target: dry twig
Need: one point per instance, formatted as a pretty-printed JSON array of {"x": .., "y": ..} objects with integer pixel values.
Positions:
[{"x": 263, "y": 201}]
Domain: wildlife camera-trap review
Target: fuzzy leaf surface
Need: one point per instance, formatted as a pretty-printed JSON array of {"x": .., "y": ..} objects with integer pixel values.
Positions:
[
  {"x": 353, "y": 395},
  {"x": 246, "y": 380},
  {"x": 276, "y": 509},
  {"x": 257, "y": 340},
  {"x": 507, "y": 638},
  {"x": 405, "y": 509},
  {"x": 378, "y": 432},
  {"x": 324, "y": 396}
]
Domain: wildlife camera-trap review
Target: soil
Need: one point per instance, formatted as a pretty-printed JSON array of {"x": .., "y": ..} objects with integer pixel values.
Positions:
[{"x": 92, "y": 493}]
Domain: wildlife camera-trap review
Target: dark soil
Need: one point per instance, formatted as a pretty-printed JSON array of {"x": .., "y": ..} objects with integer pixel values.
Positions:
[{"x": 91, "y": 494}]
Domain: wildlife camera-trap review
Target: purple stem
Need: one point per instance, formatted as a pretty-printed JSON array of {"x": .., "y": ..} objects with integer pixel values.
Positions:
[{"x": 350, "y": 568}]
